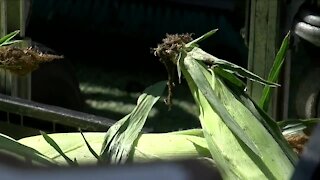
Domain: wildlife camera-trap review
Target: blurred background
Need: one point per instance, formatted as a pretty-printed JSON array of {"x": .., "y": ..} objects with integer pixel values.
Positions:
[
  {"x": 108, "y": 61},
  {"x": 106, "y": 44}
]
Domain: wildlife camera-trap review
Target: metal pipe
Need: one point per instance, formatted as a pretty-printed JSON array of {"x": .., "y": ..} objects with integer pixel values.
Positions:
[
  {"x": 9, "y": 83},
  {"x": 4, "y": 76},
  {"x": 21, "y": 85},
  {"x": 3, "y": 17},
  {"x": 23, "y": 18},
  {"x": 54, "y": 114}
]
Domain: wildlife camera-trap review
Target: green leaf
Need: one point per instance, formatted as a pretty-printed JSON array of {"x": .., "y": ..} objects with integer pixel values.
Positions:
[
  {"x": 270, "y": 124},
  {"x": 148, "y": 147},
  {"x": 192, "y": 132},
  {"x": 5, "y": 40},
  {"x": 201, "y": 38},
  {"x": 193, "y": 67},
  {"x": 90, "y": 148},
  {"x": 226, "y": 147},
  {"x": 57, "y": 148},
  {"x": 11, "y": 42},
  {"x": 229, "y": 77},
  {"x": 274, "y": 72},
  {"x": 12, "y": 147},
  {"x": 121, "y": 136},
  {"x": 201, "y": 55},
  {"x": 295, "y": 125}
]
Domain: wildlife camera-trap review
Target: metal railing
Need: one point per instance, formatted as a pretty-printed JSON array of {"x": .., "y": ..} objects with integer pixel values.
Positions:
[{"x": 54, "y": 114}]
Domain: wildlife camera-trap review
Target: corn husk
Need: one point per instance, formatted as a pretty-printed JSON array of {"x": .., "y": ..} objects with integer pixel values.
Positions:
[
  {"x": 148, "y": 147},
  {"x": 234, "y": 158}
]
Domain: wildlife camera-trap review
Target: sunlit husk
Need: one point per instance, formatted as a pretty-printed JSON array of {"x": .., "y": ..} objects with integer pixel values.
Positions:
[
  {"x": 148, "y": 147},
  {"x": 234, "y": 159}
]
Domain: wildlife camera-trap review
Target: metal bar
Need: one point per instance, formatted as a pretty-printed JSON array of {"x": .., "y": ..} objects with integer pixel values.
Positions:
[
  {"x": 13, "y": 17},
  {"x": 3, "y": 19},
  {"x": 246, "y": 29},
  {"x": 219, "y": 4},
  {"x": 286, "y": 86},
  {"x": 20, "y": 85},
  {"x": 290, "y": 12},
  {"x": 4, "y": 77},
  {"x": 23, "y": 18},
  {"x": 54, "y": 114}
]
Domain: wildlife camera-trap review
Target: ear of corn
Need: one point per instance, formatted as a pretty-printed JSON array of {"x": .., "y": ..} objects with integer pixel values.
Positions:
[
  {"x": 198, "y": 77},
  {"x": 23, "y": 152},
  {"x": 236, "y": 134},
  {"x": 125, "y": 137},
  {"x": 233, "y": 156},
  {"x": 91, "y": 149},
  {"x": 120, "y": 137},
  {"x": 170, "y": 146},
  {"x": 270, "y": 124},
  {"x": 53, "y": 144},
  {"x": 147, "y": 147}
]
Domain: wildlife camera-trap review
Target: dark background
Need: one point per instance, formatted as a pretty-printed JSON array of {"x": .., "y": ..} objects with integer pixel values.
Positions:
[
  {"x": 106, "y": 44},
  {"x": 122, "y": 32}
]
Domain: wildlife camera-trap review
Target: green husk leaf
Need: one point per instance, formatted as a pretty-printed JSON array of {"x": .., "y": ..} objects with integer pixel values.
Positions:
[
  {"x": 5, "y": 40},
  {"x": 121, "y": 136},
  {"x": 274, "y": 72},
  {"x": 201, "y": 55},
  {"x": 201, "y": 38},
  {"x": 11, "y": 42},
  {"x": 25, "y": 153},
  {"x": 227, "y": 149},
  {"x": 178, "y": 68},
  {"x": 193, "y": 132},
  {"x": 270, "y": 124},
  {"x": 306, "y": 122},
  {"x": 57, "y": 148},
  {"x": 90, "y": 148},
  {"x": 229, "y": 77},
  {"x": 203, "y": 85},
  {"x": 148, "y": 147},
  {"x": 297, "y": 125}
]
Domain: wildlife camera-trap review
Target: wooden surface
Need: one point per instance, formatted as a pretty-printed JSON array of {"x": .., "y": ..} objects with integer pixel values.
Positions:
[{"x": 263, "y": 42}]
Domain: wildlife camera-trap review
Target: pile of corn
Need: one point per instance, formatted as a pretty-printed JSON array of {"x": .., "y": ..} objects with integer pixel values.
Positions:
[{"x": 236, "y": 135}]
